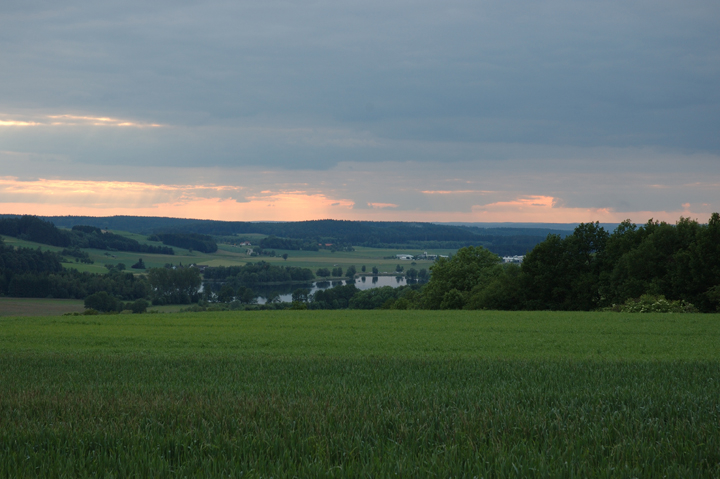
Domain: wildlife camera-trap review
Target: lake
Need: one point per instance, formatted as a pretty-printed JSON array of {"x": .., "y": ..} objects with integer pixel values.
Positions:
[{"x": 286, "y": 290}]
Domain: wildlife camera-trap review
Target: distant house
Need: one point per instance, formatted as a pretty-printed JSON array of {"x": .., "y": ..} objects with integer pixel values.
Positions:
[
  {"x": 513, "y": 259},
  {"x": 245, "y": 243},
  {"x": 404, "y": 256},
  {"x": 201, "y": 267}
]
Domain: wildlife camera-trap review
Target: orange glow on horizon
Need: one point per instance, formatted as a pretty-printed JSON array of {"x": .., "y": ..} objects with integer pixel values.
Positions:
[{"x": 232, "y": 203}]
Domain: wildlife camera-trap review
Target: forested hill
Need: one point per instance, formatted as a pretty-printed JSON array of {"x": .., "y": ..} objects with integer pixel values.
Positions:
[
  {"x": 35, "y": 229},
  {"x": 395, "y": 234}
]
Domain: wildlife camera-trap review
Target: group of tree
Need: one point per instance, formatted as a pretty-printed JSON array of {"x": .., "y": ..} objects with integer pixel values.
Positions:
[
  {"x": 32, "y": 228},
  {"x": 174, "y": 285},
  {"x": 229, "y": 294},
  {"x": 258, "y": 273},
  {"x": 273, "y": 241},
  {"x": 92, "y": 237},
  {"x": 191, "y": 241},
  {"x": 587, "y": 270},
  {"x": 106, "y": 303},
  {"x": 28, "y": 273},
  {"x": 79, "y": 255},
  {"x": 32, "y": 273}
]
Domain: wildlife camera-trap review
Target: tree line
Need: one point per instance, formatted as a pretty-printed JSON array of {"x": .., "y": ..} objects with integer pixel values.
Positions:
[
  {"x": 192, "y": 241},
  {"x": 256, "y": 273},
  {"x": 32, "y": 228},
  {"x": 587, "y": 270}
]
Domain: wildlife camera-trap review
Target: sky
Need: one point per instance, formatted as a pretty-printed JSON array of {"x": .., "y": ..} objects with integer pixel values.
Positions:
[{"x": 475, "y": 111}]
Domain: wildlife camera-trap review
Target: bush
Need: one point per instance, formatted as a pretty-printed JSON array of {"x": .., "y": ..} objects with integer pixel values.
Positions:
[
  {"x": 139, "y": 265},
  {"x": 138, "y": 307},
  {"x": 649, "y": 303},
  {"x": 102, "y": 301}
]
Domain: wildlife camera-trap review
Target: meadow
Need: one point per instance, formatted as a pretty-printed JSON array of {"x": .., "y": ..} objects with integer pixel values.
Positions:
[{"x": 355, "y": 393}]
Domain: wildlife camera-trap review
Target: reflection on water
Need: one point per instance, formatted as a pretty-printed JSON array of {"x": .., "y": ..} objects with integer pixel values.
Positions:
[{"x": 285, "y": 290}]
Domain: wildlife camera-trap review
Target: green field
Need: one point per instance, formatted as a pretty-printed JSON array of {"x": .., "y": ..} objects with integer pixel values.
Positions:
[{"x": 355, "y": 393}]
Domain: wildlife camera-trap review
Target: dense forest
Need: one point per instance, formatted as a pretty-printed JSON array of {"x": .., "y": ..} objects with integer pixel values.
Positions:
[
  {"x": 587, "y": 270},
  {"x": 32, "y": 228},
  {"x": 288, "y": 243},
  {"x": 308, "y": 234},
  {"x": 30, "y": 273}
]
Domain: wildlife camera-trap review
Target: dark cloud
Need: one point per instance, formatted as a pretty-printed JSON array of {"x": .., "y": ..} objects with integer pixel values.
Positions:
[
  {"x": 413, "y": 107},
  {"x": 560, "y": 73}
]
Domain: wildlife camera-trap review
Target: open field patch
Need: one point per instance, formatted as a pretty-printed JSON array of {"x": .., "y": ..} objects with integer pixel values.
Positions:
[{"x": 39, "y": 306}]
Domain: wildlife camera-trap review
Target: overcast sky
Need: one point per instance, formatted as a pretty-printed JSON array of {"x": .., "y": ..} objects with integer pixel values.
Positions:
[{"x": 512, "y": 110}]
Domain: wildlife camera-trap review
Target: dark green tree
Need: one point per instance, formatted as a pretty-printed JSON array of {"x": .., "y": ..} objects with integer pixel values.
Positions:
[
  {"x": 564, "y": 274},
  {"x": 454, "y": 278},
  {"x": 104, "y": 302},
  {"x": 300, "y": 295},
  {"x": 226, "y": 294},
  {"x": 139, "y": 265}
]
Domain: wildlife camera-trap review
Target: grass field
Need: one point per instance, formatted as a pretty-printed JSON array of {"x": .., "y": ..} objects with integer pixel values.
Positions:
[{"x": 355, "y": 393}]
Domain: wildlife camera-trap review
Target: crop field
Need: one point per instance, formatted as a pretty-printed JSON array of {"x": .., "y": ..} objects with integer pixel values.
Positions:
[{"x": 360, "y": 394}]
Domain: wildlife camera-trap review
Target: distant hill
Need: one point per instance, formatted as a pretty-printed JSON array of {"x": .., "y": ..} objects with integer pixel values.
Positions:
[{"x": 502, "y": 240}]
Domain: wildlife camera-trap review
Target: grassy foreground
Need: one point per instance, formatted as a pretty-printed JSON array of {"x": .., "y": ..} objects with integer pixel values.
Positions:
[{"x": 351, "y": 393}]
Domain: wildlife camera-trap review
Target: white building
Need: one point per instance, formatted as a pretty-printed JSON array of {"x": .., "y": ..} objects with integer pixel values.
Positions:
[{"x": 513, "y": 259}]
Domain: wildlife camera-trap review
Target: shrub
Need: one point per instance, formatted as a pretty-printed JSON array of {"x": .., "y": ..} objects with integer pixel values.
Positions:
[
  {"x": 649, "y": 303},
  {"x": 102, "y": 301},
  {"x": 138, "y": 307}
]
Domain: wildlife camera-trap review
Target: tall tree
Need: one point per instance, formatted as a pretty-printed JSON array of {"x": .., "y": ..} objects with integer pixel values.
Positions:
[{"x": 453, "y": 279}]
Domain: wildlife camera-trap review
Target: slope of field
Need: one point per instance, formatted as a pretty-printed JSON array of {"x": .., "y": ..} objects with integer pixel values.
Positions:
[{"x": 350, "y": 393}]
